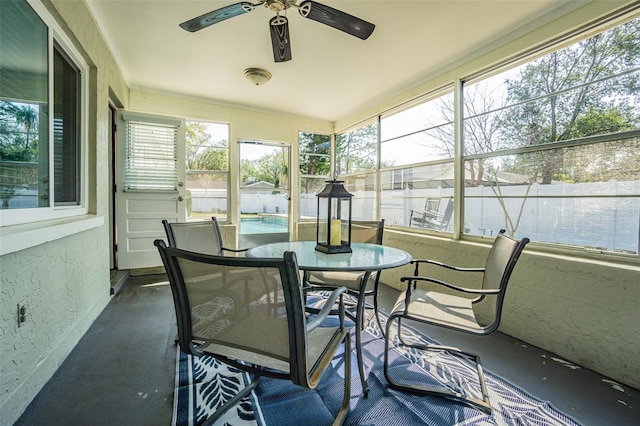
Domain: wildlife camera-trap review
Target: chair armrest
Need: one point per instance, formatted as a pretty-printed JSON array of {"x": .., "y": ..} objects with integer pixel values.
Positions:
[
  {"x": 326, "y": 309},
  {"x": 430, "y": 213},
  {"x": 417, "y": 262},
  {"x": 234, "y": 250},
  {"x": 434, "y": 214},
  {"x": 413, "y": 279},
  {"x": 311, "y": 287}
]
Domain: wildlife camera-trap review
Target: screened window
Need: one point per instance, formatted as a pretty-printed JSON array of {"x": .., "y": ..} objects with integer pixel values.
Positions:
[
  {"x": 549, "y": 149},
  {"x": 66, "y": 122},
  {"x": 315, "y": 170},
  {"x": 356, "y": 151},
  {"x": 416, "y": 155},
  {"x": 553, "y": 146},
  {"x": 41, "y": 134},
  {"x": 207, "y": 170},
  {"x": 363, "y": 188},
  {"x": 356, "y": 164},
  {"x": 418, "y": 134},
  {"x": 410, "y": 193},
  {"x": 151, "y": 155}
]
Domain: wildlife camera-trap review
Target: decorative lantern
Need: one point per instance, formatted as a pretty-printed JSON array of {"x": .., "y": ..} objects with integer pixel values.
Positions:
[{"x": 333, "y": 234}]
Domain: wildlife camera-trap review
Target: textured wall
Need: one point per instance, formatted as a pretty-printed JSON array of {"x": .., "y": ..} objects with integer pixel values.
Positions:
[
  {"x": 64, "y": 282},
  {"x": 587, "y": 312},
  {"x": 65, "y": 285}
]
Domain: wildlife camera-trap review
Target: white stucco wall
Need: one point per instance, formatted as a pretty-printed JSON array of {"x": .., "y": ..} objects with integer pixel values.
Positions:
[
  {"x": 65, "y": 285},
  {"x": 587, "y": 312},
  {"x": 64, "y": 275}
]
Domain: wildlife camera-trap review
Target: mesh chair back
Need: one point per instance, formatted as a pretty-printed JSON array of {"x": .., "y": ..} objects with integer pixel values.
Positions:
[
  {"x": 367, "y": 231},
  {"x": 249, "y": 313},
  {"x": 500, "y": 263},
  {"x": 201, "y": 237},
  {"x": 240, "y": 308},
  {"x": 222, "y": 314}
]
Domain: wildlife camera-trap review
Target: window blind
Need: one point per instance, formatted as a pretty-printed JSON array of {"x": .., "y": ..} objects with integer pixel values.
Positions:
[
  {"x": 23, "y": 77},
  {"x": 151, "y": 156}
]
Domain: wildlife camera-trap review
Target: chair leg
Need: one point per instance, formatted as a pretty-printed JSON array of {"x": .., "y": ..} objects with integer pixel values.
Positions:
[
  {"x": 358, "y": 331},
  {"x": 481, "y": 404},
  {"x": 346, "y": 399},
  {"x": 375, "y": 305},
  {"x": 233, "y": 401},
  {"x": 359, "y": 324},
  {"x": 359, "y": 320}
]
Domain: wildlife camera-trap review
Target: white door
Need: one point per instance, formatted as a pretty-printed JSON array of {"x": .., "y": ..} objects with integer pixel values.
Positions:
[{"x": 150, "y": 185}]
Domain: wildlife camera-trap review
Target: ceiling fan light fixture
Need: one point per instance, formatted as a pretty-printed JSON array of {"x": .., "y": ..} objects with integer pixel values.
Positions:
[
  {"x": 257, "y": 76},
  {"x": 279, "y": 25}
]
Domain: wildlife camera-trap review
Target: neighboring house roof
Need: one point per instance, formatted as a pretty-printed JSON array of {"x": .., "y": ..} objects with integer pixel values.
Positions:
[
  {"x": 444, "y": 178},
  {"x": 257, "y": 185}
]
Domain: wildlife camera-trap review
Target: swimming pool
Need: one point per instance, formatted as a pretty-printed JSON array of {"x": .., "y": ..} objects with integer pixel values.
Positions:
[{"x": 264, "y": 224}]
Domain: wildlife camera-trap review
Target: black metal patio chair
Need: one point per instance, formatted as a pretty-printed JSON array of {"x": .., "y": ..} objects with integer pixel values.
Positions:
[
  {"x": 470, "y": 310},
  {"x": 250, "y": 334}
]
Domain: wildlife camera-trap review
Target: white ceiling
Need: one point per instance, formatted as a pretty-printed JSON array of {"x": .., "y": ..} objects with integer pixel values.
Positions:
[{"x": 331, "y": 75}]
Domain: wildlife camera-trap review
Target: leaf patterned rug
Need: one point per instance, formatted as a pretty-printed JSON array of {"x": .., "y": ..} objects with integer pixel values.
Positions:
[{"x": 204, "y": 383}]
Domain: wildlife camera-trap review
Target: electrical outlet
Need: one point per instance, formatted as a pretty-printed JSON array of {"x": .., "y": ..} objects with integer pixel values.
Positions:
[{"x": 22, "y": 313}]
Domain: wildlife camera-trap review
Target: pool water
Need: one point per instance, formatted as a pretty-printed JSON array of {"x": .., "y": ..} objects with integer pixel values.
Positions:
[{"x": 263, "y": 225}]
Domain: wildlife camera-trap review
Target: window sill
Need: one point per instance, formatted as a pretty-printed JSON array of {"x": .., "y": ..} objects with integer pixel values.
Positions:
[{"x": 20, "y": 237}]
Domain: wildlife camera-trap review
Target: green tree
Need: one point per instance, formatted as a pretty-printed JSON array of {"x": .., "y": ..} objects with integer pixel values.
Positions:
[
  {"x": 203, "y": 153},
  {"x": 18, "y": 132},
  {"x": 270, "y": 167},
  {"x": 19, "y": 140},
  {"x": 249, "y": 171},
  {"x": 315, "y": 150},
  {"x": 589, "y": 88},
  {"x": 273, "y": 168},
  {"x": 356, "y": 150},
  {"x": 480, "y": 129},
  {"x": 585, "y": 89}
]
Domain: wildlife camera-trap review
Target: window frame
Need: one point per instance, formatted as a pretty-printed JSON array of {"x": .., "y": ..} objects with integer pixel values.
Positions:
[
  {"x": 457, "y": 83},
  {"x": 301, "y": 176},
  {"x": 359, "y": 176},
  {"x": 56, "y": 38},
  {"x": 226, "y": 173},
  {"x": 413, "y": 203},
  {"x": 534, "y": 54},
  {"x": 76, "y": 146}
]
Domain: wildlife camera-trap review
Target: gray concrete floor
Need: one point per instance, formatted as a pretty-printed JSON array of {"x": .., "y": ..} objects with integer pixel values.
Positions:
[{"x": 122, "y": 371}]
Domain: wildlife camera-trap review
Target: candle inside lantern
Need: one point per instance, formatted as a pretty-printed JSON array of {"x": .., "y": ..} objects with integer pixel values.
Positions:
[{"x": 336, "y": 232}]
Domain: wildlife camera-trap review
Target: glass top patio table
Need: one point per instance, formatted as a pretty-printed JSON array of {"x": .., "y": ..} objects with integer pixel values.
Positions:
[{"x": 364, "y": 256}]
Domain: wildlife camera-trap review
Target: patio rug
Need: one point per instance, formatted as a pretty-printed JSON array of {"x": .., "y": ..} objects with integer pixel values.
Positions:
[{"x": 205, "y": 383}]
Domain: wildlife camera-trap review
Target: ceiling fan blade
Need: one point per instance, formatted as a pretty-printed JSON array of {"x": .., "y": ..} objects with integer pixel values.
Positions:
[
  {"x": 337, "y": 19},
  {"x": 279, "y": 27},
  {"x": 218, "y": 15}
]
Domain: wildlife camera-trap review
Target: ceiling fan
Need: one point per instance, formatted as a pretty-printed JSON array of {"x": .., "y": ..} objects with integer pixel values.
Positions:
[{"x": 279, "y": 25}]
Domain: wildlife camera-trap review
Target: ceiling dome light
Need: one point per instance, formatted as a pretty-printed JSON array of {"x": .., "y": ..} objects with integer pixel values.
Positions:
[{"x": 257, "y": 76}]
